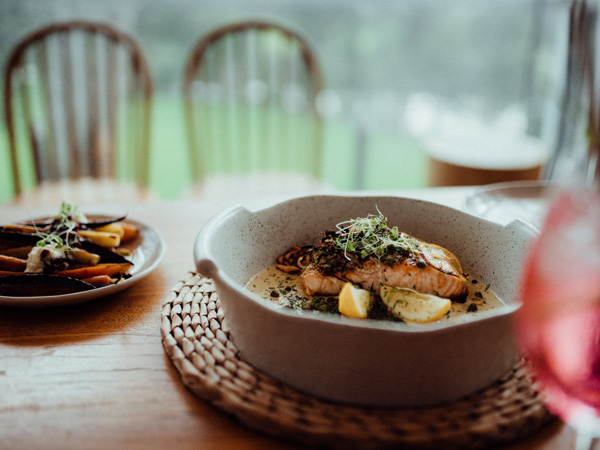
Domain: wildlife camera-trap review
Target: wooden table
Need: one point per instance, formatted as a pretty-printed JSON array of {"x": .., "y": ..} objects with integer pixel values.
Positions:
[{"x": 95, "y": 375}]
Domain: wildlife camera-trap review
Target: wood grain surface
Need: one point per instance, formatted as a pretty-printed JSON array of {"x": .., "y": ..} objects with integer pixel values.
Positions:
[{"x": 95, "y": 375}]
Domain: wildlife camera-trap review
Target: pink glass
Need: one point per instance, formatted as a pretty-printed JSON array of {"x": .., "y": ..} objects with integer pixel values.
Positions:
[{"x": 558, "y": 324}]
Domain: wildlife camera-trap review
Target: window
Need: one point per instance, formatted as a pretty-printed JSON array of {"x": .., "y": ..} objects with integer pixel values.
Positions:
[{"x": 398, "y": 74}]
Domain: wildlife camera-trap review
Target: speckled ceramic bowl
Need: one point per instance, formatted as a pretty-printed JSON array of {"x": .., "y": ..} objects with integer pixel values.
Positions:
[{"x": 365, "y": 362}]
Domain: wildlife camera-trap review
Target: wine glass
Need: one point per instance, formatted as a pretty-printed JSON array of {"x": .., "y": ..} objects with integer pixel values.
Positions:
[{"x": 558, "y": 324}]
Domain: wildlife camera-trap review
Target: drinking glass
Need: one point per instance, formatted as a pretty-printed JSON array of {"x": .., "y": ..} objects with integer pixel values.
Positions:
[{"x": 558, "y": 324}]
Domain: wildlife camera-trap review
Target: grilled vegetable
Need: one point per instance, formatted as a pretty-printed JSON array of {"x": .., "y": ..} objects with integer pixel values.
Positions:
[
  {"x": 36, "y": 284},
  {"x": 85, "y": 254}
]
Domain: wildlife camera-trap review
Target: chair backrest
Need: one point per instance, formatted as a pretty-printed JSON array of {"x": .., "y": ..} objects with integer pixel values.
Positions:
[
  {"x": 250, "y": 94},
  {"x": 77, "y": 97}
]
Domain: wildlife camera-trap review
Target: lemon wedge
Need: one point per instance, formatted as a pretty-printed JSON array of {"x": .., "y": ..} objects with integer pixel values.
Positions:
[
  {"x": 414, "y": 306},
  {"x": 354, "y": 302},
  {"x": 441, "y": 258}
]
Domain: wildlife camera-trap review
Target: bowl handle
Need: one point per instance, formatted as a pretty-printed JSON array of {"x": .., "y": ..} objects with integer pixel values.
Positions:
[
  {"x": 202, "y": 254},
  {"x": 207, "y": 268}
]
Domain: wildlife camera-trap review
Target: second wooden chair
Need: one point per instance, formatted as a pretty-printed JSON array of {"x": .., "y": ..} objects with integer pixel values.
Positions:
[
  {"x": 250, "y": 93},
  {"x": 77, "y": 99}
]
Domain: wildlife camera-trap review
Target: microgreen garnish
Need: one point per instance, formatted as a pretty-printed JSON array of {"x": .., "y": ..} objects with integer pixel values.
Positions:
[
  {"x": 62, "y": 234},
  {"x": 70, "y": 213},
  {"x": 371, "y": 236}
]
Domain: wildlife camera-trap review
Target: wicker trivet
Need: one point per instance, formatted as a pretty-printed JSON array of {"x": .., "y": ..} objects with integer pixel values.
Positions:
[{"x": 198, "y": 343}]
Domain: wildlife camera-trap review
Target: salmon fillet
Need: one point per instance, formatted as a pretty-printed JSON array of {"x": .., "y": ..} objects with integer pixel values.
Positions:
[
  {"x": 370, "y": 254},
  {"x": 372, "y": 274}
]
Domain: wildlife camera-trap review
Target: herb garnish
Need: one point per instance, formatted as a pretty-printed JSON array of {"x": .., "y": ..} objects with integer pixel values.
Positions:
[
  {"x": 62, "y": 235},
  {"x": 371, "y": 236}
]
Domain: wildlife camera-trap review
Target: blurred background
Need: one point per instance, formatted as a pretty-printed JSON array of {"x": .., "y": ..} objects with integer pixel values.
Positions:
[{"x": 467, "y": 81}]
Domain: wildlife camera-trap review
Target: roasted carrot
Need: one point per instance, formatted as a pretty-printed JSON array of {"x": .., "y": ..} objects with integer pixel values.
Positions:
[
  {"x": 20, "y": 229},
  {"x": 17, "y": 252},
  {"x": 99, "y": 280},
  {"x": 12, "y": 264},
  {"x": 130, "y": 232},
  {"x": 5, "y": 273},
  {"x": 109, "y": 269}
]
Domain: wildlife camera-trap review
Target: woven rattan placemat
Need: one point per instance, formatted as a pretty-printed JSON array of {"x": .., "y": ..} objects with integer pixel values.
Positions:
[{"x": 197, "y": 340}]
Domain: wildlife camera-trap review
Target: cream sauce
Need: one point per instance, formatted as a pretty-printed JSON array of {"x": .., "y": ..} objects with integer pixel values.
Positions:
[
  {"x": 286, "y": 290},
  {"x": 35, "y": 261}
]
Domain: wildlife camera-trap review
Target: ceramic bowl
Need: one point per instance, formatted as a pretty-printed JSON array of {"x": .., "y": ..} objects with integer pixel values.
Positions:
[{"x": 365, "y": 362}]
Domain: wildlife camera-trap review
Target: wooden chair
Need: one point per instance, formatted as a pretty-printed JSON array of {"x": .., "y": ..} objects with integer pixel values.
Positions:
[
  {"x": 77, "y": 101},
  {"x": 250, "y": 94}
]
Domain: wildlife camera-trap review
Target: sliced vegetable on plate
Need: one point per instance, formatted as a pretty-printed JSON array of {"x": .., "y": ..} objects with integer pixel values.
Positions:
[{"x": 63, "y": 254}]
